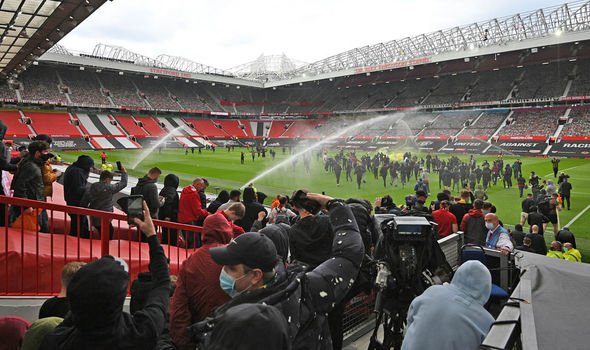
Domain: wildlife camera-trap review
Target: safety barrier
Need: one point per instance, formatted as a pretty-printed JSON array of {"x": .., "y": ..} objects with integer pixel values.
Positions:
[{"x": 31, "y": 261}]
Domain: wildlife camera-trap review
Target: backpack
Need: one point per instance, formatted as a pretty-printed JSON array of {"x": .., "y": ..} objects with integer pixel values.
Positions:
[{"x": 282, "y": 217}]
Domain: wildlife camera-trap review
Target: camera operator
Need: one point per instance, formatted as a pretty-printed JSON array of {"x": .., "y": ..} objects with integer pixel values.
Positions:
[{"x": 252, "y": 273}]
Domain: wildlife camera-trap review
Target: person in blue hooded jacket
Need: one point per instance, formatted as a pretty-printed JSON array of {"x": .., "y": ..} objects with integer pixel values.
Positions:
[{"x": 452, "y": 316}]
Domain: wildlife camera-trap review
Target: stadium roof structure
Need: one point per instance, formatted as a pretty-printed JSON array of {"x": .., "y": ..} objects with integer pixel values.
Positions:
[
  {"x": 569, "y": 22},
  {"x": 269, "y": 67},
  {"x": 28, "y": 28}
]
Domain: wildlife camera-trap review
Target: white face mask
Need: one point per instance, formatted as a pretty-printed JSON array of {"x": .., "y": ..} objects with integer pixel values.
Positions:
[{"x": 489, "y": 226}]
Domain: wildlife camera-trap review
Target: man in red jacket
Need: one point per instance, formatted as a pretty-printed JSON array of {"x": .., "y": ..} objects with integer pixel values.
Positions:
[
  {"x": 198, "y": 292},
  {"x": 190, "y": 210}
]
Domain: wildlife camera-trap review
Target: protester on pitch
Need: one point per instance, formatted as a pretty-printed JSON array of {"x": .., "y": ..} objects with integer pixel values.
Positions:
[{"x": 97, "y": 293}]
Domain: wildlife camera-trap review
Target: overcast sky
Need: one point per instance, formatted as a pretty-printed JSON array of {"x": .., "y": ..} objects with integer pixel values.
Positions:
[{"x": 226, "y": 33}]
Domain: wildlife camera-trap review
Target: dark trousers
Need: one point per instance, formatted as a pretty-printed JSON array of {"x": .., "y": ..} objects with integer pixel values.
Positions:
[
  {"x": 83, "y": 225},
  {"x": 192, "y": 239},
  {"x": 566, "y": 199}
]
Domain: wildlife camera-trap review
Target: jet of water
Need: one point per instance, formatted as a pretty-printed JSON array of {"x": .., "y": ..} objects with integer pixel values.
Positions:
[
  {"x": 147, "y": 151},
  {"x": 316, "y": 145}
]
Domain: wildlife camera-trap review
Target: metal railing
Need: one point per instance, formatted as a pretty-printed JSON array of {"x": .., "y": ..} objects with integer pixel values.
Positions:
[{"x": 31, "y": 261}]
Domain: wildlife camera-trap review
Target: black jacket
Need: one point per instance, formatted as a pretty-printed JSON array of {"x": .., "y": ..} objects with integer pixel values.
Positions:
[
  {"x": 304, "y": 298},
  {"x": 252, "y": 210},
  {"x": 28, "y": 180},
  {"x": 147, "y": 188},
  {"x": 76, "y": 180},
  {"x": 171, "y": 199},
  {"x": 4, "y": 155},
  {"x": 140, "y": 331}
]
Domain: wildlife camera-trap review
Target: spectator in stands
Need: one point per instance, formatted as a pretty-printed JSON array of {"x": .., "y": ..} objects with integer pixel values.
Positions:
[
  {"x": 565, "y": 190},
  {"x": 447, "y": 222},
  {"x": 97, "y": 293},
  {"x": 198, "y": 292},
  {"x": 49, "y": 177},
  {"x": 169, "y": 210},
  {"x": 537, "y": 240},
  {"x": 6, "y": 166},
  {"x": 12, "y": 331},
  {"x": 517, "y": 235},
  {"x": 566, "y": 236},
  {"x": 190, "y": 210},
  {"x": 100, "y": 197},
  {"x": 58, "y": 306},
  {"x": 75, "y": 183},
  {"x": 497, "y": 237},
  {"x": 146, "y": 186},
  {"x": 279, "y": 235},
  {"x": 473, "y": 224},
  {"x": 253, "y": 274},
  {"x": 234, "y": 196},
  {"x": 459, "y": 304},
  {"x": 28, "y": 179},
  {"x": 252, "y": 209},
  {"x": 203, "y": 198},
  {"x": 266, "y": 325},
  {"x": 38, "y": 330},
  {"x": 281, "y": 214},
  {"x": 526, "y": 245},
  {"x": 222, "y": 197},
  {"x": 570, "y": 253},
  {"x": 555, "y": 250}
]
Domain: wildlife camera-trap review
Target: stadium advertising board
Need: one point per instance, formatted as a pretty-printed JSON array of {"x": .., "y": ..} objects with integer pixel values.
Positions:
[
  {"x": 518, "y": 146},
  {"x": 466, "y": 146},
  {"x": 578, "y": 148},
  {"x": 59, "y": 143},
  {"x": 428, "y": 145}
]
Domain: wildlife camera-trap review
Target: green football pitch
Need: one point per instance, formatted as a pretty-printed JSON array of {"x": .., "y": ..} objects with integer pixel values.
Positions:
[{"x": 224, "y": 171}]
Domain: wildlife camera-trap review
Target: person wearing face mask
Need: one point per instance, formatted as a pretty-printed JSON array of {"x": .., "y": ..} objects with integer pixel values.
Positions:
[
  {"x": 198, "y": 292},
  {"x": 497, "y": 236},
  {"x": 28, "y": 179},
  {"x": 253, "y": 274}
]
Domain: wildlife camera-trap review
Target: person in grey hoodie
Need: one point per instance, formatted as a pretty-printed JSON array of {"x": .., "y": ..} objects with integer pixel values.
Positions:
[
  {"x": 459, "y": 304},
  {"x": 100, "y": 196}
]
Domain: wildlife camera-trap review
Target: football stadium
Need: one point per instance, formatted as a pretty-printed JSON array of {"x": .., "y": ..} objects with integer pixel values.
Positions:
[{"x": 426, "y": 192}]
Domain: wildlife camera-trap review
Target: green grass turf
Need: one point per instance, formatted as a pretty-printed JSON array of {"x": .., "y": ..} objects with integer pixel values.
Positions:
[{"x": 224, "y": 171}]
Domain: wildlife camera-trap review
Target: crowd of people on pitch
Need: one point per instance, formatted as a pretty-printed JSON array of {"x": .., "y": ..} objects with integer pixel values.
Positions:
[{"x": 275, "y": 278}]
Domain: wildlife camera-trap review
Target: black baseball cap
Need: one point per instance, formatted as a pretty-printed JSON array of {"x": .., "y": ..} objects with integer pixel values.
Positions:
[{"x": 252, "y": 249}]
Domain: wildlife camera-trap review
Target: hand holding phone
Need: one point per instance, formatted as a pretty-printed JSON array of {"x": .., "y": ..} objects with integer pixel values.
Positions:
[
  {"x": 146, "y": 225},
  {"x": 135, "y": 208}
]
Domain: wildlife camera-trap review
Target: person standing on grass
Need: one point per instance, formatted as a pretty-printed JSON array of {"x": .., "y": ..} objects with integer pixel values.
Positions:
[
  {"x": 555, "y": 163},
  {"x": 565, "y": 189}
]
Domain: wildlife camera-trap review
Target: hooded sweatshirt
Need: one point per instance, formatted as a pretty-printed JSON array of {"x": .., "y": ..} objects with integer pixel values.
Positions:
[
  {"x": 190, "y": 208},
  {"x": 197, "y": 292},
  {"x": 76, "y": 179},
  {"x": 100, "y": 196},
  {"x": 148, "y": 189},
  {"x": 459, "y": 304},
  {"x": 474, "y": 227},
  {"x": 170, "y": 207},
  {"x": 96, "y": 319},
  {"x": 310, "y": 240}
]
